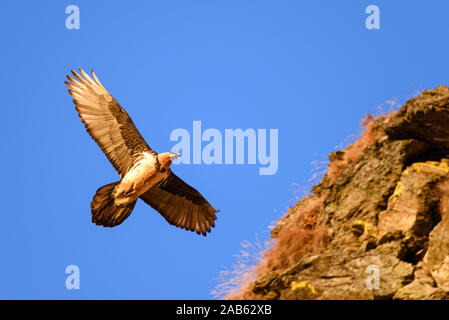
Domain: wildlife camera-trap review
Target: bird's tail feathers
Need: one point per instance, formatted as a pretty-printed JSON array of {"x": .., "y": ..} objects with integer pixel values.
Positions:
[{"x": 104, "y": 211}]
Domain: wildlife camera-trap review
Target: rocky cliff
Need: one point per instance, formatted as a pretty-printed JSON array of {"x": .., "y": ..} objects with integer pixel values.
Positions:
[{"x": 380, "y": 212}]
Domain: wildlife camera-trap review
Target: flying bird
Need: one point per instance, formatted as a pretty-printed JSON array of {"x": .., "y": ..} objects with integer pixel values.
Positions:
[{"x": 144, "y": 173}]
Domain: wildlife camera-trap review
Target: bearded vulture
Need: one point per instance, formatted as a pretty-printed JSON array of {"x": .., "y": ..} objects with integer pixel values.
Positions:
[{"x": 144, "y": 173}]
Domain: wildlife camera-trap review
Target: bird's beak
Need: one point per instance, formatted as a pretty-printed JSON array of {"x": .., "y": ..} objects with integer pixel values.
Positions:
[{"x": 173, "y": 156}]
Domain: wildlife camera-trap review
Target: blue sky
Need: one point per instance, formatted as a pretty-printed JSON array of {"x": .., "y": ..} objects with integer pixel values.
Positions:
[{"x": 310, "y": 69}]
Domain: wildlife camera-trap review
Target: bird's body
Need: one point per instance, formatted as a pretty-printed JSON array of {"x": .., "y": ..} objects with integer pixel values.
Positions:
[
  {"x": 144, "y": 173},
  {"x": 141, "y": 177}
]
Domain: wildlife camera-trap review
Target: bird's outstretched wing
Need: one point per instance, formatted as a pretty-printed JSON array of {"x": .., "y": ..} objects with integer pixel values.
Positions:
[
  {"x": 106, "y": 121},
  {"x": 181, "y": 205}
]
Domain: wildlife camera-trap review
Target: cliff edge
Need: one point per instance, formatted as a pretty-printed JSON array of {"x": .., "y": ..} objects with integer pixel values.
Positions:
[{"x": 380, "y": 212}]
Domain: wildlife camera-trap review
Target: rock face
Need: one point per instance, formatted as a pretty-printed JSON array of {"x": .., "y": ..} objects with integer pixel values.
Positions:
[{"x": 386, "y": 213}]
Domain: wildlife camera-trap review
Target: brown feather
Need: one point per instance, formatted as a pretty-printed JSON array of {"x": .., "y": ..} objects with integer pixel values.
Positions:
[
  {"x": 181, "y": 205},
  {"x": 106, "y": 121}
]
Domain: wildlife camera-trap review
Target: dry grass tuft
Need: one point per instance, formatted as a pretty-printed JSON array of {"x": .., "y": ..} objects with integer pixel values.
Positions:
[
  {"x": 305, "y": 215},
  {"x": 368, "y": 138},
  {"x": 243, "y": 271},
  {"x": 298, "y": 237},
  {"x": 353, "y": 151},
  {"x": 290, "y": 247}
]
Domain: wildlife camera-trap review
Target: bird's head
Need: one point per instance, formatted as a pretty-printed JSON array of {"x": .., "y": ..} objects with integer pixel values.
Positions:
[{"x": 166, "y": 158}]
